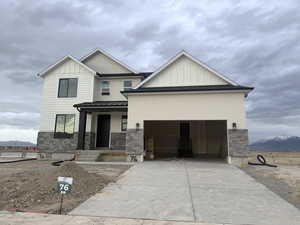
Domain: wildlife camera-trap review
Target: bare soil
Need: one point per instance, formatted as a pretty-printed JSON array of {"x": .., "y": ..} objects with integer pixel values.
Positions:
[
  {"x": 283, "y": 180},
  {"x": 32, "y": 186}
]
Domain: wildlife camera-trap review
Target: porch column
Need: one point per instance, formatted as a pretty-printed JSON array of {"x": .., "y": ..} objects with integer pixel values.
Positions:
[{"x": 81, "y": 130}]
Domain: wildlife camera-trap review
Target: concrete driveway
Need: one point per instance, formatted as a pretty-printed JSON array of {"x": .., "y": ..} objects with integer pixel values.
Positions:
[{"x": 190, "y": 191}]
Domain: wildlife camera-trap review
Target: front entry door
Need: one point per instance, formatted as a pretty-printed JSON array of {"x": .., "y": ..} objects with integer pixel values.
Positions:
[{"x": 103, "y": 131}]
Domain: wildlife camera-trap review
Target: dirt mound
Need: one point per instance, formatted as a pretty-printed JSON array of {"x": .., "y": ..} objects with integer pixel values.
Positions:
[{"x": 31, "y": 190}]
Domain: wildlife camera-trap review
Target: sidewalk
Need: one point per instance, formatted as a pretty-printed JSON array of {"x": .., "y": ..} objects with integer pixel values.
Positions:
[{"x": 47, "y": 219}]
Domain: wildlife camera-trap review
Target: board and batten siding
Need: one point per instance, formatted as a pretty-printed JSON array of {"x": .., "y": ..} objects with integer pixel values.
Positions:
[
  {"x": 184, "y": 72},
  {"x": 103, "y": 64},
  {"x": 116, "y": 85},
  {"x": 187, "y": 106},
  {"x": 52, "y": 105}
]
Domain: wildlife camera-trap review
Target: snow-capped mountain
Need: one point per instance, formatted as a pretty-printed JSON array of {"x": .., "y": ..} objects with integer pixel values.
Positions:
[
  {"x": 16, "y": 143},
  {"x": 277, "y": 144}
]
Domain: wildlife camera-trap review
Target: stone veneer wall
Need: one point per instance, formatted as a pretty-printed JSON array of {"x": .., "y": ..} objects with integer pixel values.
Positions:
[
  {"x": 118, "y": 141},
  {"x": 47, "y": 143},
  {"x": 238, "y": 142},
  {"x": 135, "y": 143}
]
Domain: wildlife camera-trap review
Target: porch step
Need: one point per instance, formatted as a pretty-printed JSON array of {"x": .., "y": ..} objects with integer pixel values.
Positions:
[
  {"x": 88, "y": 155},
  {"x": 113, "y": 156}
]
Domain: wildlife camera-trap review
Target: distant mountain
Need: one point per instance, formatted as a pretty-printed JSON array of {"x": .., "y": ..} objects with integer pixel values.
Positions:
[
  {"x": 277, "y": 144},
  {"x": 16, "y": 143}
]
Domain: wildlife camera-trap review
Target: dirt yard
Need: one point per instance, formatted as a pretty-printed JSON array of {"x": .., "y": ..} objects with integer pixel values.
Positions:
[
  {"x": 283, "y": 180},
  {"x": 32, "y": 185}
]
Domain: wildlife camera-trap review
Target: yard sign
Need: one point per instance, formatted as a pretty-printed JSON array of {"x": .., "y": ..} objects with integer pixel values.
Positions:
[{"x": 64, "y": 184}]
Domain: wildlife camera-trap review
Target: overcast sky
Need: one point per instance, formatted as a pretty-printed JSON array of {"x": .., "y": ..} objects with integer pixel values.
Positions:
[{"x": 256, "y": 43}]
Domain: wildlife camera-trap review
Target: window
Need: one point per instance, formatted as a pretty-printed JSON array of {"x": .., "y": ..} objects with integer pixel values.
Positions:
[
  {"x": 105, "y": 87},
  {"x": 124, "y": 123},
  {"x": 67, "y": 88},
  {"x": 127, "y": 85},
  {"x": 64, "y": 125}
]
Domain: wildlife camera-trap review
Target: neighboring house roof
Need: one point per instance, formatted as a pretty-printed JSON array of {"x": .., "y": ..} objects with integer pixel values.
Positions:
[
  {"x": 101, "y": 104},
  {"x": 98, "y": 50},
  {"x": 180, "y": 54},
  {"x": 59, "y": 62},
  {"x": 143, "y": 74},
  {"x": 189, "y": 89}
]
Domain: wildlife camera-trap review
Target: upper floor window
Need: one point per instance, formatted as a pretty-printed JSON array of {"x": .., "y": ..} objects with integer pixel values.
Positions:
[
  {"x": 127, "y": 85},
  {"x": 105, "y": 87},
  {"x": 64, "y": 125},
  {"x": 124, "y": 123},
  {"x": 67, "y": 87}
]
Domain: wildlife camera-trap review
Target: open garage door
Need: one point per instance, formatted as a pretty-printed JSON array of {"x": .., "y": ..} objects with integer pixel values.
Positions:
[{"x": 197, "y": 138}]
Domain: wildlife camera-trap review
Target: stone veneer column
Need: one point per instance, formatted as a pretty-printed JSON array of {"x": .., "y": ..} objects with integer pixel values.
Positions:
[
  {"x": 238, "y": 146},
  {"x": 135, "y": 144}
]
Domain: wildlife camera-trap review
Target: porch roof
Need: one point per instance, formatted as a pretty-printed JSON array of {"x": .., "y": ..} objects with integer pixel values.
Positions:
[{"x": 103, "y": 106}]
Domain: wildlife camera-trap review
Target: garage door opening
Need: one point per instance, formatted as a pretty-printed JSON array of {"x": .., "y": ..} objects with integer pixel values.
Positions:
[{"x": 197, "y": 139}]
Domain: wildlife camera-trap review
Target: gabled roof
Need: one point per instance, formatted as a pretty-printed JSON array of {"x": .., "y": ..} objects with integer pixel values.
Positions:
[
  {"x": 202, "y": 88},
  {"x": 98, "y": 50},
  {"x": 180, "y": 54},
  {"x": 59, "y": 62}
]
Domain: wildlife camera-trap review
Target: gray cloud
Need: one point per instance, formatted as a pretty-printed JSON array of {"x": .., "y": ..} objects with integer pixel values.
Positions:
[{"x": 254, "y": 43}]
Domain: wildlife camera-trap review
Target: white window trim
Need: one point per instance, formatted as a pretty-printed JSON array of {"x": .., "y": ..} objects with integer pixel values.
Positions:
[
  {"x": 127, "y": 88},
  {"x": 108, "y": 88}
]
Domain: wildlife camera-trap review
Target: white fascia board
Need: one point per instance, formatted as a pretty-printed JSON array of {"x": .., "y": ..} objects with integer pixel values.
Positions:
[
  {"x": 186, "y": 92},
  {"x": 109, "y": 56},
  {"x": 48, "y": 69},
  {"x": 183, "y": 53}
]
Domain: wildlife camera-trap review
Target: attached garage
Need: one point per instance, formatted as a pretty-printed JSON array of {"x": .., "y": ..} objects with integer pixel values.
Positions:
[
  {"x": 186, "y": 109},
  {"x": 185, "y": 138}
]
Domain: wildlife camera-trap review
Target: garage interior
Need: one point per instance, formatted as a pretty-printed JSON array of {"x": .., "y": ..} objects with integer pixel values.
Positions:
[{"x": 196, "y": 139}]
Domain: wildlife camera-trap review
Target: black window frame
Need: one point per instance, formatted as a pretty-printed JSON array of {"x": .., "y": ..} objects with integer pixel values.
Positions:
[
  {"x": 127, "y": 88},
  {"x": 68, "y": 84},
  {"x": 105, "y": 93},
  {"x": 124, "y": 120},
  {"x": 63, "y": 134}
]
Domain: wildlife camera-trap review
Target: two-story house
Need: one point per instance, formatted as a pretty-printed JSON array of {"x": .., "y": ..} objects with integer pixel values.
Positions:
[{"x": 184, "y": 108}]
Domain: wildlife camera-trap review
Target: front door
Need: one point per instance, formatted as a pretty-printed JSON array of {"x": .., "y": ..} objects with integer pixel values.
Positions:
[{"x": 103, "y": 131}]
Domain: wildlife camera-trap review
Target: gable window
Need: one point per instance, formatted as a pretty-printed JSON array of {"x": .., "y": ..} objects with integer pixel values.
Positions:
[
  {"x": 124, "y": 123},
  {"x": 64, "y": 125},
  {"x": 127, "y": 84},
  {"x": 105, "y": 87},
  {"x": 67, "y": 87}
]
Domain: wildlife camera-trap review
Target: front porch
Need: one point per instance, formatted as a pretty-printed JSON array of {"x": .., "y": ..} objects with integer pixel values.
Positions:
[{"x": 107, "y": 122}]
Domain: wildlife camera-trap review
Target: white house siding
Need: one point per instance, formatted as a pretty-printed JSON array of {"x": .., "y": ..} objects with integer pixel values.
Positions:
[
  {"x": 187, "y": 106},
  {"x": 53, "y": 105},
  {"x": 184, "y": 72},
  {"x": 103, "y": 64},
  {"x": 116, "y": 85}
]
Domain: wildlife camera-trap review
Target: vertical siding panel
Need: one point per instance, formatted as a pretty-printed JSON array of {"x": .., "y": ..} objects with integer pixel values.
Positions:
[
  {"x": 103, "y": 64},
  {"x": 185, "y": 72},
  {"x": 53, "y": 105}
]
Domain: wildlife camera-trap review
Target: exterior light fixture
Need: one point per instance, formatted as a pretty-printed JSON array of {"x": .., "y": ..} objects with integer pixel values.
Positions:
[
  {"x": 137, "y": 126},
  {"x": 234, "y": 126}
]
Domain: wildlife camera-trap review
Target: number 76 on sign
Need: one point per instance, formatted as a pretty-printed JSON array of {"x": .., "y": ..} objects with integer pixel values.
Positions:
[{"x": 64, "y": 184}]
